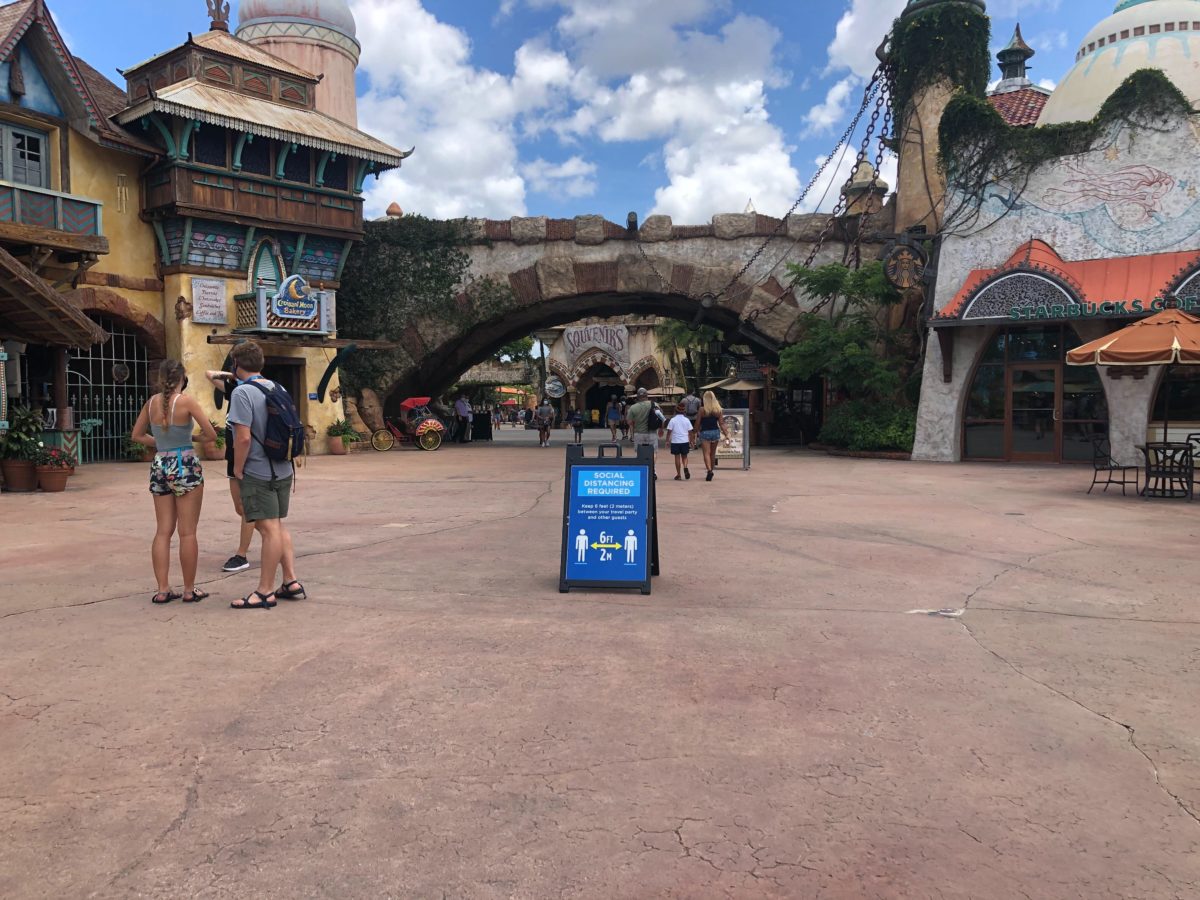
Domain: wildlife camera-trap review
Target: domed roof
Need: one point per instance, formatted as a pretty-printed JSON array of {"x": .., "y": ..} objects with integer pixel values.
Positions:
[
  {"x": 334, "y": 14},
  {"x": 1140, "y": 34}
]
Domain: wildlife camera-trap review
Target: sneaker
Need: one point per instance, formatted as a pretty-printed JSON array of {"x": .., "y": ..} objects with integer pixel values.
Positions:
[
  {"x": 708, "y": 477},
  {"x": 236, "y": 563},
  {"x": 687, "y": 473}
]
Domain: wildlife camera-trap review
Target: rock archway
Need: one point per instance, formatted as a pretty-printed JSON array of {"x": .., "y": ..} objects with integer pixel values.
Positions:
[{"x": 565, "y": 270}]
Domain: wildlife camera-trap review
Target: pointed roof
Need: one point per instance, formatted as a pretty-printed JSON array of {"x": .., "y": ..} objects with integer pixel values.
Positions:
[
  {"x": 1017, "y": 46},
  {"x": 91, "y": 95},
  {"x": 224, "y": 43}
]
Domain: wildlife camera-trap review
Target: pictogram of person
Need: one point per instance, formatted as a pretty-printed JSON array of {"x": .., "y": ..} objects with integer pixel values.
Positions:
[
  {"x": 631, "y": 545},
  {"x": 581, "y": 543}
]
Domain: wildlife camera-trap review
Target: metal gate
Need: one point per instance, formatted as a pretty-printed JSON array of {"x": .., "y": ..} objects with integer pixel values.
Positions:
[{"x": 107, "y": 385}]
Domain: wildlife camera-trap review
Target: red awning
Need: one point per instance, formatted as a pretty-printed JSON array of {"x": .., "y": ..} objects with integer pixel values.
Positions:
[{"x": 1125, "y": 278}]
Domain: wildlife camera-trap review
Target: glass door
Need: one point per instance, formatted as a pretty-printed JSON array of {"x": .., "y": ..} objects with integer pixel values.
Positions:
[{"x": 1034, "y": 420}]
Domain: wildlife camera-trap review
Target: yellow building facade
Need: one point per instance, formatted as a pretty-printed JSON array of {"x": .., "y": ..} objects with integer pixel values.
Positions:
[{"x": 207, "y": 200}]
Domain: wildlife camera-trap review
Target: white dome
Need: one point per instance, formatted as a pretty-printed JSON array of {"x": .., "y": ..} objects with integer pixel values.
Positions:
[
  {"x": 332, "y": 14},
  {"x": 1141, "y": 34}
]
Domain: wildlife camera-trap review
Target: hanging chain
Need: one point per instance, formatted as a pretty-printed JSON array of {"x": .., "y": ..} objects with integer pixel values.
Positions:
[
  {"x": 869, "y": 91},
  {"x": 882, "y": 107}
]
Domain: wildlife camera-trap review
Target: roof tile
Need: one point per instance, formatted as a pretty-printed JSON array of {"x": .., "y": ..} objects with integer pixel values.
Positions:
[{"x": 1020, "y": 108}]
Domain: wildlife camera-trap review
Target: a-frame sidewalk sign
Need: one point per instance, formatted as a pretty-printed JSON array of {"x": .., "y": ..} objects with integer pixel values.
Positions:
[{"x": 610, "y": 520}]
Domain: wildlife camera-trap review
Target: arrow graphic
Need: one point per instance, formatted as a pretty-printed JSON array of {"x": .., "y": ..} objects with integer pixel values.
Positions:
[{"x": 606, "y": 546}]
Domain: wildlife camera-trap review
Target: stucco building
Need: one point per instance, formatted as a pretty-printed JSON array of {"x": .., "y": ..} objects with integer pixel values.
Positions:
[
  {"x": 1034, "y": 260},
  {"x": 169, "y": 215}
]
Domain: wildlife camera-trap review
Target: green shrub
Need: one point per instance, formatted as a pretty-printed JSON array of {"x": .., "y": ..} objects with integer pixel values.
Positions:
[{"x": 862, "y": 425}]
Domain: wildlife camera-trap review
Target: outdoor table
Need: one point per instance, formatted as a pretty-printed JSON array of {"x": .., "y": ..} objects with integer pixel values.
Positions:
[{"x": 1170, "y": 469}]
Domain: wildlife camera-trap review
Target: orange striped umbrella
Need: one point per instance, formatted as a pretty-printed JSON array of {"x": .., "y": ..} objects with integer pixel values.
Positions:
[{"x": 1168, "y": 338}]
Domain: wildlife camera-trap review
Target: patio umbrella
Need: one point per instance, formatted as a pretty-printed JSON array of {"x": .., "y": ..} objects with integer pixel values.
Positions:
[
  {"x": 508, "y": 403},
  {"x": 1168, "y": 338}
]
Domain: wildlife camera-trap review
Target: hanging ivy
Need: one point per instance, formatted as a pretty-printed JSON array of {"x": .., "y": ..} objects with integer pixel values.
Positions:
[
  {"x": 947, "y": 41},
  {"x": 980, "y": 151},
  {"x": 408, "y": 269}
]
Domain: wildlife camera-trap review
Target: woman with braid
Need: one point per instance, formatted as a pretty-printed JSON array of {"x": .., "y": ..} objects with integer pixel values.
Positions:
[{"x": 176, "y": 479}]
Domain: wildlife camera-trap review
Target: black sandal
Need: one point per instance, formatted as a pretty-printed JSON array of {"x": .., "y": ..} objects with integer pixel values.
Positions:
[
  {"x": 197, "y": 595},
  {"x": 246, "y": 604},
  {"x": 285, "y": 592},
  {"x": 167, "y": 597}
]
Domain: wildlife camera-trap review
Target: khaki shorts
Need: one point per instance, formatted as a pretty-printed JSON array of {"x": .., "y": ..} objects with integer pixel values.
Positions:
[{"x": 264, "y": 499}]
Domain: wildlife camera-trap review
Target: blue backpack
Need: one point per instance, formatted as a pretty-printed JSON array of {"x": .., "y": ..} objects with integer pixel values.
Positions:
[{"x": 284, "y": 433}]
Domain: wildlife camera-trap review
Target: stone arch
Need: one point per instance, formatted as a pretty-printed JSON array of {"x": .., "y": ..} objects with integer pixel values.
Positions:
[
  {"x": 108, "y": 302},
  {"x": 559, "y": 370},
  {"x": 592, "y": 358},
  {"x": 644, "y": 365}
]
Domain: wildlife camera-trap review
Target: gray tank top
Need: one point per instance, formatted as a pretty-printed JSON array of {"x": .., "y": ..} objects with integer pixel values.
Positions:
[{"x": 172, "y": 437}]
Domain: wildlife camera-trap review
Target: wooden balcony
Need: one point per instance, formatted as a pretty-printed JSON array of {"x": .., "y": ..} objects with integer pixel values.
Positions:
[
  {"x": 31, "y": 216},
  {"x": 187, "y": 191}
]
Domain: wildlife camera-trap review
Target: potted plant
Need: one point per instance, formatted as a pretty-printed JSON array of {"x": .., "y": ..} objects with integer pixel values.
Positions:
[
  {"x": 54, "y": 467},
  {"x": 19, "y": 448},
  {"x": 343, "y": 434},
  {"x": 217, "y": 450},
  {"x": 135, "y": 452}
]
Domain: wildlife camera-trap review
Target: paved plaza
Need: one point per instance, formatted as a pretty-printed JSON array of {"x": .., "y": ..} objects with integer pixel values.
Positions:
[{"x": 778, "y": 719}]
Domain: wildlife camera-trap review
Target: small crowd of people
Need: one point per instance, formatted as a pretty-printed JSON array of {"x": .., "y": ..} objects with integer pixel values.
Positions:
[
  {"x": 259, "y": 483},
  {"x": 695, "y": 424}
]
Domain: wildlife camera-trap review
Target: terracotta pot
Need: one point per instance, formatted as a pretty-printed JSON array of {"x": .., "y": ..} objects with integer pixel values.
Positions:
[
  {"x": 52, "y": 479},
  {"x": 20, "y": 475},
  {"x": 212, "y": 453},
  {"x": 337, "y": 446}
]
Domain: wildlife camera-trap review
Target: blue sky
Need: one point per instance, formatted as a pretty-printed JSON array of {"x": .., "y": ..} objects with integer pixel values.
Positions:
[{"x": 567, "y": 107}]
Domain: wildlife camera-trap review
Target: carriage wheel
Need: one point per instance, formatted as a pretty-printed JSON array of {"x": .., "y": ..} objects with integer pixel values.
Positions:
[
  {"x": 430, "y": 440},
  {"x": 383, "y": 440}
]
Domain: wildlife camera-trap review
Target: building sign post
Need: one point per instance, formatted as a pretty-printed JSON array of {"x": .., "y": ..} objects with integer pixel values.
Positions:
[
  {"x": 737, "y": 445},
  {"x": 610, "y": 521},
  {"x": 208, "y": 301}
]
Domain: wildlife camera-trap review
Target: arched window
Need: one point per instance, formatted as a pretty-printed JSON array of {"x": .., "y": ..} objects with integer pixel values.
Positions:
[{"x": 266, "y": 267}]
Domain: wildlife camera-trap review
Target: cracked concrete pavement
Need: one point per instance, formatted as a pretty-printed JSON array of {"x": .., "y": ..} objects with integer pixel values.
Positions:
[{"x": 774, "y": 721}]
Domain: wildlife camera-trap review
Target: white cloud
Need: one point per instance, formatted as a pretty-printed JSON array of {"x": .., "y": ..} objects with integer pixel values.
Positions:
[
  {"x": 1047, "y": 41},
  {"x": 573, "y": 178},
  {"x": 1011, "y": 9},
  {"x": 1047, "y": 83},
  {"x": 860, "y": 31},
  {"x": 822, "y": 118},
  {"x": 690, "y": 75}
]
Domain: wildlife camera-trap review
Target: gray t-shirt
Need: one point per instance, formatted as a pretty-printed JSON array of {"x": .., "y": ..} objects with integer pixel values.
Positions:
[{"x": 248, "y": 406}]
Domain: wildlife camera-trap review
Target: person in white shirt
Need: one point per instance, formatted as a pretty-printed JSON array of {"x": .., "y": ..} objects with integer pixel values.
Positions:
[{"x": 679, "y": 431}]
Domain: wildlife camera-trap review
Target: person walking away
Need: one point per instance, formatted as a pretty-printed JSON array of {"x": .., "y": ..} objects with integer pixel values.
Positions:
[
  {"x": 710, "y": 422},
  {"x": 575, "y": 417},
  {"x": 613, "y": 416},
  {"x": 545, "y": 421},
  {"x": 691, "y": 405},
  {"x": 643, "y": 423},
  {"x": 265, "y": 483},
  {"x": 176, "y": 478},
  {"x": 462, "y": 418},
  {"x": 680, "y": 431},
  {"x": 224, "y": 381}
]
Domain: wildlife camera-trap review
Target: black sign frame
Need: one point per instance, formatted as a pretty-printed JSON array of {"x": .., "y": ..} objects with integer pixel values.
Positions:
[{"x": 576, "y": 457}]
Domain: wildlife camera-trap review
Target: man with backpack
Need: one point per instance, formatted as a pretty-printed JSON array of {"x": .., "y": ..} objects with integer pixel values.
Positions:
[
  {"x": 691, "y": 406},
  {"x": 268, "y": 434}
]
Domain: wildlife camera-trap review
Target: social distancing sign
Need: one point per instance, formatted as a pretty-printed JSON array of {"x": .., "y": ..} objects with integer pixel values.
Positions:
[{"x": 610, "y": 535}]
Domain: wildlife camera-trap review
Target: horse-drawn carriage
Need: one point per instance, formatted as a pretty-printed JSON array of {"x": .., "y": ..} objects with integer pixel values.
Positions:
[{"x": 417, "y": 424}]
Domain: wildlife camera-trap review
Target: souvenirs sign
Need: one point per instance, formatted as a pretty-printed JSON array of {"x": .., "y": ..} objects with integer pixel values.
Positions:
[
  {"x": 610, "y": 529},
  {"x": 611, "y": 339},
  {"x": 735, "y": 443},
  {"x": 293, "y": 301},
  {"x": 208, "y": 301}
]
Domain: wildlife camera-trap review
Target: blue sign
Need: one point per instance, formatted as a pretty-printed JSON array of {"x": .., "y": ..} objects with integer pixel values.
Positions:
[
  {"x": 293, "y": 301},
  {"x": 607, "y": 518}
]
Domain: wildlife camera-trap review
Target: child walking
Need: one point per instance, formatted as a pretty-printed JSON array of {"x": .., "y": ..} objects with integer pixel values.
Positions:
[{"x": 679, "y": 430}]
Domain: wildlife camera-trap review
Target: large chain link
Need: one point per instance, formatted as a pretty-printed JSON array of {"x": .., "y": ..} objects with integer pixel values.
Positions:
[
  {"x": 882, "y": 108},
  {"x": 871, "y": 90}
]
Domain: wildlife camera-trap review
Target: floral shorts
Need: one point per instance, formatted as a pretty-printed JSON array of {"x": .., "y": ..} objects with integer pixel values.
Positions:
[{"x": 175, "y": 472}]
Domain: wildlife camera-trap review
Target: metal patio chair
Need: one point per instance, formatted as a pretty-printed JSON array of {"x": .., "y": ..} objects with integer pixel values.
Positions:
[{"x": 1107, "y": 471}]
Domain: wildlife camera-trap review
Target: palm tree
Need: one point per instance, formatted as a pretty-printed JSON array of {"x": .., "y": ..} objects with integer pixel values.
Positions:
[{"x": 687, "y": 349}]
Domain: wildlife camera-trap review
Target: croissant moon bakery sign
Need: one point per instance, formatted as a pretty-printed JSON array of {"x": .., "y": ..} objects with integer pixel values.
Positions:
[{"x": 294, "y": 301}]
